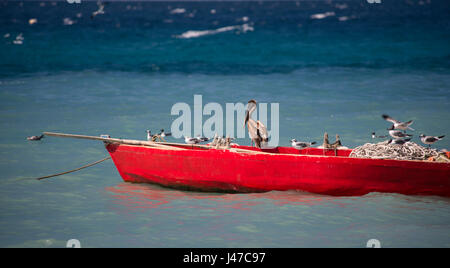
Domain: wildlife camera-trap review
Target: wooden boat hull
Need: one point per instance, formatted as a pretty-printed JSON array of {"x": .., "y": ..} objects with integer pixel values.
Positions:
[{"x": 283, "y": 169}]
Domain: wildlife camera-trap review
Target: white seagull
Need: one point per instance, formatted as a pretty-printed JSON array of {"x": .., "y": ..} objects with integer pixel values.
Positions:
[
  {"x": 256, "y": 130},
  {"x": 101, "y": 9},
  {"x": 149, "y": 135},
  {"x": 397, "y": 124},
  {"x": 301, "y": 145},
  {"x": 430, "y": 139},
  {"x": 190, "y": 140},
  {"x": 201, "y": 139},
  {"x": 396, "y": 134},
  {"x": 164, "y": 134},
  {"x": 378, "y": 137},
  {"x": 399, "y": 141}
]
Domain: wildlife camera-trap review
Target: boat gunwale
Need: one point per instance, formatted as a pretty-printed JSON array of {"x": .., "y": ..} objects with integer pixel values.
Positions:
[{"x": 261, "y": 153}]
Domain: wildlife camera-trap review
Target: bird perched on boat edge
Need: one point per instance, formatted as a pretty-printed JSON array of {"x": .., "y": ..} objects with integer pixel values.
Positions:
[
  {"x": 149, "y": 135},
  {"x": 374, "y": 136},
  {"x": 35, "y": 138},
  {"x": 397, "y": 124},
  {"x": 190, "y": 140},
  {"x": 301, "y": 145},
  {"x": 256, "y": 130},
  {"x": 164, "y": 134},
  {"x": 430, "y": 139},
  {"x": 202, "y": 138}
]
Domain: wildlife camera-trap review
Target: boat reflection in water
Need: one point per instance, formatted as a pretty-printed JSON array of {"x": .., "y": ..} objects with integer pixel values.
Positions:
[
  {"x": 142, "y": 196},
  {"x": 148, "y": 196}
]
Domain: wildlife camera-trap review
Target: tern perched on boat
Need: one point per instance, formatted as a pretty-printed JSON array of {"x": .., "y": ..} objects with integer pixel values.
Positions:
[
  {"x": 190, "y": 140},
  {"x": 430, "y": 139},
  {"x": 397, "y": 124},
  {"x": 101, "y": 9},
  {"x": 398, "y": 141},
  {"x": 374, "y": 136},
  {"x": 301, "y": 145},
  {"x": 396, "y": 134},
  {"x": 164, "y": 134},
  {"x": 256, "y": 130},
  {"x": 149, "y": 135},
  {"x": 202, "y": 138},
  {"x": 35, "y": 138}
]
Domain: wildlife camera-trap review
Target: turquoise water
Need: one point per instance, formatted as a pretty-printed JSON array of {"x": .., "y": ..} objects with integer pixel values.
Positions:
[{"x": 120, "y": 74}]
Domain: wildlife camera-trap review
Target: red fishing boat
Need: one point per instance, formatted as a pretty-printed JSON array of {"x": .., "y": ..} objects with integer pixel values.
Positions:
[{"x": 248, "y": 169}]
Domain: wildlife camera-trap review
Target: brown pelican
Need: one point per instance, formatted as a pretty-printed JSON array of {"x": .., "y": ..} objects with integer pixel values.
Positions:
[
  {"x": 397, "y": 124},
  {"x": 430, "y": 139},
  {"x": 256, "y": 130}
]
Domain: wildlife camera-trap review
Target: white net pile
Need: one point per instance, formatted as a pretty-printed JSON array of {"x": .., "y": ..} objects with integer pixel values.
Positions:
[{"x": 383, "y": 150}]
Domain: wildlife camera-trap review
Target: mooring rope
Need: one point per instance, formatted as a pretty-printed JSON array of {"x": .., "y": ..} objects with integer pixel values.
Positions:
[
  {"x": 383, "y": 150},
  {"x": 73, "y": 170}
]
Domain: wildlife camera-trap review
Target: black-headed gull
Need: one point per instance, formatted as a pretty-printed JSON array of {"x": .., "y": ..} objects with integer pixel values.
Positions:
[
  {"x": 430, "y": 139},
  {"x": 300, "y": 144},
  {"x": 397, "y": 124}
]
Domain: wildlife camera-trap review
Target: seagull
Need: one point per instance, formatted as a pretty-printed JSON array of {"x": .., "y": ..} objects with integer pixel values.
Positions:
[
  {"x": 101, "y": 9},
  {"x": 256, "y": 130},
  {"x": 201, "y": 139},
  {"x": 149, "y": 135},
  {"x": 399, "y": 141},
  {"x": 301, "y": 145},
  {"x": 378, "y": 137},
  {"x": 397, "y": 124},
  {"x": 430, "y": 139},
  {"x": 396, "y": 134},
  {"x": 164, "y": 134},
  {"x": 35, "y": 138},
  {"x": 190, "y": 140}
]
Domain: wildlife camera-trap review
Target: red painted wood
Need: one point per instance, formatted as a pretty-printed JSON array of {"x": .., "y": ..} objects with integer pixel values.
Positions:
[{"x": 311, "y": 171}]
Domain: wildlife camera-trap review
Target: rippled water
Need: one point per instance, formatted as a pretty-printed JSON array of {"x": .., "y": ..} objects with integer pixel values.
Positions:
[{"x": 120, "y": 74}]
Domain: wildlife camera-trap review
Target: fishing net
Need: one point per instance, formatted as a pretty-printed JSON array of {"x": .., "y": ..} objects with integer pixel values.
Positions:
[{"x": 383, "y": 150}]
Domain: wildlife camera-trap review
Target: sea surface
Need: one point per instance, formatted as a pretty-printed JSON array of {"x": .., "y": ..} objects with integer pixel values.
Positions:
[{"x": 333, "y": 66}]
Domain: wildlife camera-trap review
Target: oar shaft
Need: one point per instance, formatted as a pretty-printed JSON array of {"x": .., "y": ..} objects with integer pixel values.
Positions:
[{"x": 111, "y": 140}]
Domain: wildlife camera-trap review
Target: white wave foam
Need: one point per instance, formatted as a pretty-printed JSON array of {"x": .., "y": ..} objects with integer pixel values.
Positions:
[
  {"x": 68, "y": 21},
  {"x": 341, "y": 6},
  {"x": 194, "y": 34},
  {"x": 178, "y": 11},
  {"x": 320, "y": 16}
]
